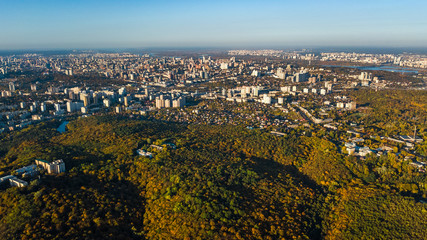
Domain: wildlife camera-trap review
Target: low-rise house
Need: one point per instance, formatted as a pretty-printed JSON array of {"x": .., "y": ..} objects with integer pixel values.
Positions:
[
  {"x": 160, "y": 148},
  {"x": 350, "y": 144},
  {"x": 330, "y": 126},
  {"x": 418, "y": 164},
  {"x": 351, "y": 150},
  {"x": 6, "y": 178},
  {"x": 364, "y": 151},
  {"x": 30, "y": 170},
  {"x": 279, "y": 134},
  {"x": 16, "y": 182},
  {"x": 144, "y": 153},
  {"x": 408, "y": 138}
]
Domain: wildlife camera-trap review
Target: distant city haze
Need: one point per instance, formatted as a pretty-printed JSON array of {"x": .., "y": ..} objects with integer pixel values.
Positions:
[{"x": 59, "y": 24}]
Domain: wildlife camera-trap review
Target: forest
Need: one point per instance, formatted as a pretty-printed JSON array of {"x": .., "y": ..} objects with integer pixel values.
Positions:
[{"x": 219, "y": 182}]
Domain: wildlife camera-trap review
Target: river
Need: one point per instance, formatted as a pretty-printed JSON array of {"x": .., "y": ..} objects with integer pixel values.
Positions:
[{"x": 379, "y": 68}]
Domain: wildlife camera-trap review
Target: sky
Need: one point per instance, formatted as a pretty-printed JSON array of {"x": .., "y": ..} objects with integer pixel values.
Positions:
[{"x": 68, "y": 24}]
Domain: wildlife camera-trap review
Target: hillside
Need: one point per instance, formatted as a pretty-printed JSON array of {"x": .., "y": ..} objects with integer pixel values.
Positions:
[{"x": 217, "y": 183}]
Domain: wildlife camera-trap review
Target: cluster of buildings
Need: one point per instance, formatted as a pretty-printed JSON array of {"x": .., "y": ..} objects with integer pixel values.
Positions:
[
  {"x": 25, "y": 107},
  {"x": 54, "y": 167},
  {"x": 295, "y": 54},
  {"x": 258, "y": 90},
  {"x": 31, "y": 171},
  {"x": 356, "y": 147},
  {"x": 353, "y": 149},
  {"x": 265, "y": 52},
  {"x": 164, "y": 101},
  {"x": 155, "y": 83},
  {"x": 358, "y": 57},
  {"x": 402, "y": 60},
  {"x": 144, "y": 153}
]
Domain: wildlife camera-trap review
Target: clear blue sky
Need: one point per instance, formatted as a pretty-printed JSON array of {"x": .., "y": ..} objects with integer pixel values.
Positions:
[{"x": 26, "y": 24}]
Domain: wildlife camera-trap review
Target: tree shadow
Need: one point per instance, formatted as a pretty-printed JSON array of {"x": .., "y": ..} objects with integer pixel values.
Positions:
[
  {"x": 270, "y": 169},
  {"x": 94, "y": 208},
  {"x": 274, "y": 168}
]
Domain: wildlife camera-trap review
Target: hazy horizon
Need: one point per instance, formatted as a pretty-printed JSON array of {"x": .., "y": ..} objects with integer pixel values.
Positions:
[
  {"x": 204, "y": 50},
  {"x": 62, "y": 24}
]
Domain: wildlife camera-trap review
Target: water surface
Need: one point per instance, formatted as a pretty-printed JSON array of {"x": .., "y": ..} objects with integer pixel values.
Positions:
[
  {"x": 379, "y": 68},
  {"x": 62, "y": 128}
]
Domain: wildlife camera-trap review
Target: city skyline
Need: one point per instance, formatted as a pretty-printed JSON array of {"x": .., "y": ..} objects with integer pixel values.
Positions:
[{"x": 110, "y": 24}]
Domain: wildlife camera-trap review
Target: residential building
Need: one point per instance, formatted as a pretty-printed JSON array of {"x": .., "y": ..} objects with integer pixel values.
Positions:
[
  {"x": 55, "y": 167},
  {"x": 15, "y": 182}
]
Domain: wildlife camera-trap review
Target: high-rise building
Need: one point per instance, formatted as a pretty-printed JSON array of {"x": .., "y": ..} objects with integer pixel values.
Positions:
[
  {"x": 266, "y": 99},
  {"x": 57, "y": 107},
  {"x": 12, "y": 86},
  {"x": 122, "y": 91},
  {"x": 255, "y": 73},
  {"x": 167, "y": 103},
  {"x": 175, "y": 103},
  {"x": 365, "y": 76},
  {"x": 95, "y": 98},
  {"x": 55, "y": 167},
  {"x": 243, "y": 92},
  {"x": 70, "y": 107},
  {"x": 71, "y": 95},
  {"x": 281, "y": 73},
  {"x": 43, "y": 107},
  {"x": 256, "y": 91},
  {"x": 301, "y": 77},
  {"x": 180, "y": 102},
  {"x": 224, "y": 66},
  {"x": 107, "y": 103},
  {"x": 85, "y": 98},
  {"x": 126, "y": 100},
  {"x": 160, "y": 102},
  {"x": 74, "y": 106}
]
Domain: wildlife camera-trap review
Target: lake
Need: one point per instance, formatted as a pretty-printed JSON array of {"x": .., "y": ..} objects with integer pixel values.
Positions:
[{"x": 61, "y": 128}]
